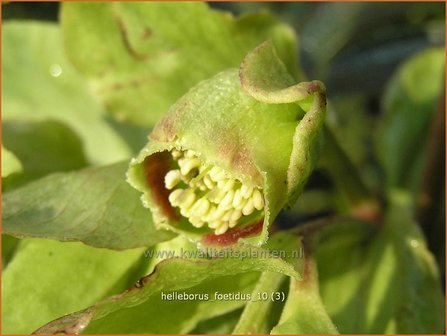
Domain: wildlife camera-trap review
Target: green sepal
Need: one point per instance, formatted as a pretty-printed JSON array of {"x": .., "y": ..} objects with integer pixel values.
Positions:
[{"x": 251, "y": 122}]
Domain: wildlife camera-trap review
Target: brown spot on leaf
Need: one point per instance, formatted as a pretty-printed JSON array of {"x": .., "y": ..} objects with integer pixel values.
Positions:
[
  {"x": 147, "y": 33},
  {"x": 132, "y": 84},
  {"x": 155, "y": 168},
  {"x": 232, "y": 236},
  {"x": 126, "y": 40}
]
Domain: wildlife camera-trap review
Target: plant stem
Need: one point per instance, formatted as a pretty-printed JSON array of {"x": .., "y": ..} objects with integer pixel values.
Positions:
[{"x": 254, "y": 318}]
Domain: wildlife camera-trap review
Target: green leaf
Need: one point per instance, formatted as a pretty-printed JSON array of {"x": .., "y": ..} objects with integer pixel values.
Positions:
[
  {"x": 380, "y": 281},
  {"x": 405, "y": 280},
  {"x": 176, "y": 316},
  {"x": 125, "y": 312},
  {"x": 139, "y": 63},
  {"x": 411, "y": 100},
  {"x": 47, "y": 279},
  {"x": 10, "y": 163},
  {"x": 43, "y": 147},
  {"x": 341, "y": 256},
  {"x": 40, "y": 83},
  {"x": 94, "y": 205}
]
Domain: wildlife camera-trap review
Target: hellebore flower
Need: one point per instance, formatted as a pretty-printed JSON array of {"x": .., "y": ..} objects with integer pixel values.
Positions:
[{"x": 232, "y": 152}]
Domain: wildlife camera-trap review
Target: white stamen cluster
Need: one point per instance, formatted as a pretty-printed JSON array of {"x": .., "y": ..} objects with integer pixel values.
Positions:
[{"x": 207, "y": 195}]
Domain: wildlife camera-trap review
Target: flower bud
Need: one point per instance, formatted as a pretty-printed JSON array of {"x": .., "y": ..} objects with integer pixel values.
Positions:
[{"x": 232, "y": 152}]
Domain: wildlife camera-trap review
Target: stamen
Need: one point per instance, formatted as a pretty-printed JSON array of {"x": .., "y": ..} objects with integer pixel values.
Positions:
[
  {"x": 185, "y": 212},
  {"x": 176, "y": 154},
  {"x": 172, "y": 178},
  {"x": 248, "y": 208},
  {"x": 217, "y": 174},
  {"x": 196, "y": 222},
  {"x": 232, "y": 224},
  {"x": 222, "y": 228},
  {"x": 228, "y": 185},
  {"x": 190, "y": 154},
  {"x": 214, "y": 171},
  {"x": 186, "y": 198},
  {"x": 216, "y": 215},
  {"x": 235, "y": 215},
  {"x": 216, "y": 195},
  {"x": 173, "y": 197},
  {"x": 227, "y": 215},
  {"x": 200, "y": 208},
  {"x": 258, "y": 202},
  {"x": 227, "y": 200},
  {"x": 237, "y": 199},
  {"x": 186, "y": 165},
  {"x": 211, "y": 197},
  {"x": 214, "y": 225},
  {"x": 208, "y": 182},
  {"x": 246, "y": 191},
  {"x": 241, "y": 204}
]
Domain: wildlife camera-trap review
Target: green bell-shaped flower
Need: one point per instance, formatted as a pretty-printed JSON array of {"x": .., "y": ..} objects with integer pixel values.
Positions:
[{"x": 232, "y": 152}]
